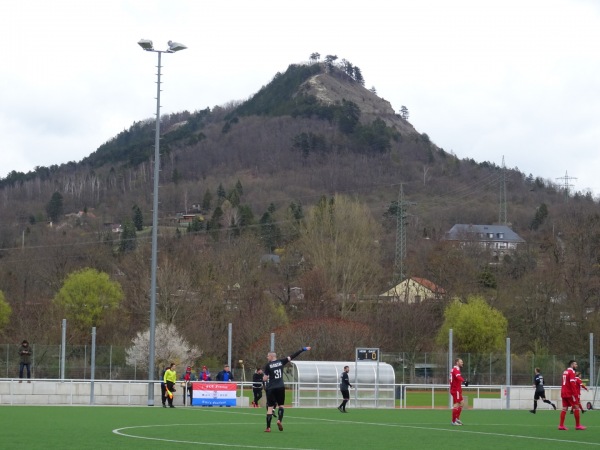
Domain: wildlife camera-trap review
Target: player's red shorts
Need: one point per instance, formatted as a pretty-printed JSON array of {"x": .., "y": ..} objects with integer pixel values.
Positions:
[
  {"x": 569, "y": 402},
  {"x": 456, "y": 397}
]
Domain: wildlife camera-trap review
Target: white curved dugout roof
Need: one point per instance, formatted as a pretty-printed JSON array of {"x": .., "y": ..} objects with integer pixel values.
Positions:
[
  {"x": 330, "y": 371},
  {"x": 316, "y": 383}
]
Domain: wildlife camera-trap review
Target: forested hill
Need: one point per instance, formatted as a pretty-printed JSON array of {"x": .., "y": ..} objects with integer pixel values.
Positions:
[{"x": 252, "y": 175}]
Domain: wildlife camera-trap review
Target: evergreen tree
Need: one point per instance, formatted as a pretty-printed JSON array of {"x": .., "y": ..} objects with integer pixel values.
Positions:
[
  {"x": 246, "y": 216},
  {"x": 215, "y": 220},
  {"x": 195, "y": 225},
  {"x": 269, "y": 231},
  {"x": 358, "y": 76},
  {"x": 329, "y": 60},
  {"x": 348, "y": 68},
  {"x": 234, "y": 198},
  {"x": 540, "y": 215},
  {"x": 404, "y": 112},
  {"x": 207, "y": 200},
  {"x": 138, "y": 218},
  {"x": 128, "y": 237},
  {"x": 54, "y": 208},
  {"x": 221, "y": 194},
  {"x": 348, "y": 116},
  {"x": 296, "y": 210},
  {"x": 239, "y": 188}
]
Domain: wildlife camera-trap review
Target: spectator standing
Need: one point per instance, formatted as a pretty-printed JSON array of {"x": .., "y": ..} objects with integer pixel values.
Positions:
[
  {"x": 188, "y": 377},
  {"x": 25, "y": 359},
  {"x": 204, "y": 375},
  {"x": 225, "y": 374},
  {"x": 344, "y": 389}
]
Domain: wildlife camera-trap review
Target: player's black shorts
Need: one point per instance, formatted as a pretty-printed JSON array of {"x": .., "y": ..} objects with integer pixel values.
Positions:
[
  {"x": 345, "y": 394},
  {"x": 539, "y": 393},
  {"x": 276, "y": 396}
]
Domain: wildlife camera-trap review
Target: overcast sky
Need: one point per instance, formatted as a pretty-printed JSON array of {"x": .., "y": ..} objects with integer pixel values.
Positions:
[{"x": 518, "y": 79}]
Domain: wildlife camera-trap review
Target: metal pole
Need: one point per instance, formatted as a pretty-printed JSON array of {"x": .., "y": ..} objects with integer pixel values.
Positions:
[
  {"x": 93, "y": 365},
  {"x": 63, "y": 352},
  {"x": 272, "y": 342},
  {"x": 243, "y": 381},
  {"x": 591, "y": 382},
  {"x": 508, "y": 380},
  {"x": 151, "y": 348},
  {"x": 229, "y": 336},
  {"x": 355, "y": 379},
  {"x": 450, "y": 356}
]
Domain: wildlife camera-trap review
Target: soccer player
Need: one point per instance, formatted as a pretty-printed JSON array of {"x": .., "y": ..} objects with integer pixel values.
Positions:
[
  {"x": 568, "y": 393},
  {"x": 540, "y": 392},
  {"x": 344, "y": 385},
  {"x": 456, "y": 382},
  {"x": 257, "y": 386},
  {"x": 579, "y": 386},
  {"x": 273, "y": 377}
]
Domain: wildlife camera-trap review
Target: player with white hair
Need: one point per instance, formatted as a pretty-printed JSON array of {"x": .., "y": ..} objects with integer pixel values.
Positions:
[{"x": 273, "y": 377}]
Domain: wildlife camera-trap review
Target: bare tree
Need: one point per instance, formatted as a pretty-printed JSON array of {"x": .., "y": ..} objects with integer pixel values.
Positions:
[{"x": 340, "y": 238}]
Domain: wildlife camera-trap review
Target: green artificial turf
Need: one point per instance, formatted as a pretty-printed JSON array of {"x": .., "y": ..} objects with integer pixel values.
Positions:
[
  {"x": 100, "y": 427},
  {"x": 441, "y": 399}
]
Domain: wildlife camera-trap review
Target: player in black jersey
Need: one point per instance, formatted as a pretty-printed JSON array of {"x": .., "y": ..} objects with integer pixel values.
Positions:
[
  {"x": 257, "y": 386},
  {"x": 273, "y": 377},
  {"x": 344, "y": 389},
  {"x": 540, "y": 392}
]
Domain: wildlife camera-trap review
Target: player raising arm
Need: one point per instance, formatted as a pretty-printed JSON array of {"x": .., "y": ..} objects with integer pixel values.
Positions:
[{"x": 273, "y": 377}]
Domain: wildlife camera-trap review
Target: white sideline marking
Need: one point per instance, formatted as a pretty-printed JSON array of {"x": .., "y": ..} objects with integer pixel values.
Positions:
[
  {"x": 460, "y": 430},
  {"x": 120, "y": 433}
]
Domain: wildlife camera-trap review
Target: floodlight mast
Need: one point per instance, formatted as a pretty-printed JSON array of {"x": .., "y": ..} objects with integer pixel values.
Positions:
[{"x": 146, "y": 44}]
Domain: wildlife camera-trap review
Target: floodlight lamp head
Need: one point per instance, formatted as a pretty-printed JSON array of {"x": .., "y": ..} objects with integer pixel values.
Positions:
[
  {"x": 146, "y": 44},
  {"x": 175, "y": 47}
]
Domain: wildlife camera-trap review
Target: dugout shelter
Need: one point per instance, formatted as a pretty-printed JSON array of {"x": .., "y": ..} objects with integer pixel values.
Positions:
[{"x": 316, "y": 384}]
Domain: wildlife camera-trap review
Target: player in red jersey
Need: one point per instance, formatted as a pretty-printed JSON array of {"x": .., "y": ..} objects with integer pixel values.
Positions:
[
  {"x": 568, "y": 393},
  {"x": 579, "y": 386},
  {"x": 456, "y": 382}
]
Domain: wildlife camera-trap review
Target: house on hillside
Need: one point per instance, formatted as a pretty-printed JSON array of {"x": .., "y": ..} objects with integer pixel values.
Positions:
[
  {"x": 414, "y": 290},
  {"x": 186, "y": 219},
  {"x": 498, "y": 239}
]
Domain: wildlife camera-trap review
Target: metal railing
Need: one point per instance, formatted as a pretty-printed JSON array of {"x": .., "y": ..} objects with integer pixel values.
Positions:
[{"x": 422, "y": 368}]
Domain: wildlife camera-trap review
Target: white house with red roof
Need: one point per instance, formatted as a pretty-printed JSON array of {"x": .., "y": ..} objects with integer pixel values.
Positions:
[{"x": 414, "y": 290}]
